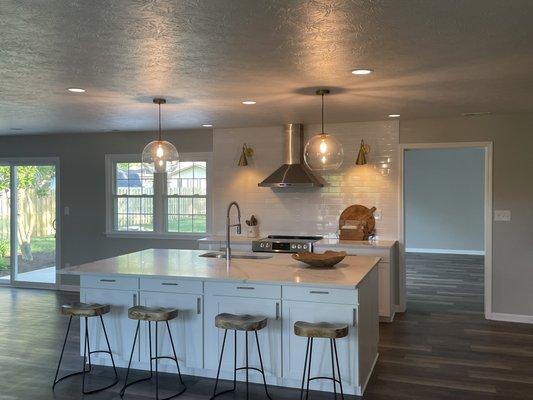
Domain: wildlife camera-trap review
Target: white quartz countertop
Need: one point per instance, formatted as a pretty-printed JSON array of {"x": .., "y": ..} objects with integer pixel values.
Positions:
[
  {"x": 330, "y": 242},
  {"x": 186, "y": 264}
]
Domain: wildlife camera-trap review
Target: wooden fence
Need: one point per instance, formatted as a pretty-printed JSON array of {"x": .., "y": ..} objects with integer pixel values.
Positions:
[{"x": 44, "y": 212}]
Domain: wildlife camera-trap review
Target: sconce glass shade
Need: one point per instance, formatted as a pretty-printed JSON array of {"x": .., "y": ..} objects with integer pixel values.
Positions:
[
  {"x": 323, "y": 152},
  {"x": 160, "y": 156}
]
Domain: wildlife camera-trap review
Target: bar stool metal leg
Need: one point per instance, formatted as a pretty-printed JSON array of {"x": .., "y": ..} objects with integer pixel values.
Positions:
[
  {"x": 334, "y": 364},
  {"x": 153, "y": 359},
  {"x": 174, "y": 352},
  {"x": 309, "y": 369},
  {"x": 305, "y": 368},
  {"x": 87, "y": 352},
  {"x": 338, "y": 369},
  {"x": 247, "y": 367},
  {"x": 261, "y": 364},
  {"x": 333, "y": 369},
  {"x": 215, "y": 394}
]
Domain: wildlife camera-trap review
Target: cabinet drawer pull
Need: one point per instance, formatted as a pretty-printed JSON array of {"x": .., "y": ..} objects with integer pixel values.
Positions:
[
  {"x": 355, "y": 316},
  {"x": 108, "y": 280},
  {"x": 169, "y": 284},
  {"x": 277, "y": 311},
  {"x": 198, "y": 305},
  {"x": 318, "y": 292},
  {"x": 245, "y": 287}
]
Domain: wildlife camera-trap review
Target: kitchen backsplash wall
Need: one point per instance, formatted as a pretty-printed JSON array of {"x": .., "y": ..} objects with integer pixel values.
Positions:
[{"x": 307, "y": 211}]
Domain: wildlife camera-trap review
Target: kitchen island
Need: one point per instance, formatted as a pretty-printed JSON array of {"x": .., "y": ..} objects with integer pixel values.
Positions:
[{"x": 275, "y": 286}]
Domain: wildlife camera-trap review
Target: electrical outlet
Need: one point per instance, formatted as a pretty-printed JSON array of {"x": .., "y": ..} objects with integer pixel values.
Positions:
[
  {"x": 67, "y": 210},
  {"x": 502, "y": 215},
  {"x": 377, "y": 215}
]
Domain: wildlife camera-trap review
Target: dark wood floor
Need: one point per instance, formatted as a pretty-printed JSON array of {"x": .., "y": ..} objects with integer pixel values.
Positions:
[{"x": 442, "y": 348}]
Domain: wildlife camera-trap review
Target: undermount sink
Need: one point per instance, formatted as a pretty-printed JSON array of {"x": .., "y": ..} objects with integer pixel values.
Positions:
[{"x": 215, "y": 254}]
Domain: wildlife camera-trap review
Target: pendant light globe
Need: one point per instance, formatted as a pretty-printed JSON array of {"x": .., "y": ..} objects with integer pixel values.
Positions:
[
  {"x": 323, "y": 151},
  {"x": 160, "y": 155}
]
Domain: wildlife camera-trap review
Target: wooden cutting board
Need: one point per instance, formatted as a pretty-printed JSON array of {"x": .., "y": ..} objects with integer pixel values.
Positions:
[{"x": 357, "y": 223}]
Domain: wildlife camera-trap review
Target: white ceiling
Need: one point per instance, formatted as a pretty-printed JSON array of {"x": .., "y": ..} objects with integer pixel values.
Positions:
[{"x": 431, "y": 58}]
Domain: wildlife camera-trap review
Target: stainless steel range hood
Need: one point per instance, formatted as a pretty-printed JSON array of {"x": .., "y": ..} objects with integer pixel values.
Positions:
[{"x": 293, "y": 173}]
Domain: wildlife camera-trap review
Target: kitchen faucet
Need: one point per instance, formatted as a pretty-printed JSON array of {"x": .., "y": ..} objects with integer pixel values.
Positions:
[{"x": 229, "y": 225}]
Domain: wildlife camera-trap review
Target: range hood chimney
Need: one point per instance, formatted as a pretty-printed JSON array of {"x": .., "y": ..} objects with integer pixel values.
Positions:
[{"x": 293, "y": 173}]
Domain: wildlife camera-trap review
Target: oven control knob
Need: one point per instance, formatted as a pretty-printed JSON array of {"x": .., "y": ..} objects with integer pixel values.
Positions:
[
  {"x": 262, "y": 245},
  {"x": 305, "y": 247},
  {"x": 293, "y": 246},
  {"x": 268, "y": 245},
  {"x": 299, "y": 246}
]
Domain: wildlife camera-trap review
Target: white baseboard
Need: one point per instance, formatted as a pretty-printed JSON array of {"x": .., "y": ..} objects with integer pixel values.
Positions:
[
  {"x": 525, "y": 319},
  {"x": 69, "y": 288},
  {"x": 445, "y": 251}
]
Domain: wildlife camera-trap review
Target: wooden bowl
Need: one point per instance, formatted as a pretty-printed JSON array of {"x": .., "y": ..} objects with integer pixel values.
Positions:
[{"x": 326, "y": 260}]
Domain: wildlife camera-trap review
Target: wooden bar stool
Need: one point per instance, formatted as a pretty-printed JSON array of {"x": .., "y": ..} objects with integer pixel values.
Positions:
[
  {"x": 245, "y": 323},
  {"x": 84, "y": 310},
  {"x": 322, "y": 330},
  {"x": 153, "y": 314}
]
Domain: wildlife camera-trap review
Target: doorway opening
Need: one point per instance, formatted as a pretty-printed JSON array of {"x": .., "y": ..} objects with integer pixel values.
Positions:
[
  {"x": 446, "y": 227},
  {"x": 28, "y": 222}
]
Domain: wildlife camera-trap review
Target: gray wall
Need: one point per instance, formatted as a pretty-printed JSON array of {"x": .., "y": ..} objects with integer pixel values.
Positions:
[
  {"x": 444, "y": 199},
  {"x": 82, "y": 169},
  {"x": 512, "y": 135}
]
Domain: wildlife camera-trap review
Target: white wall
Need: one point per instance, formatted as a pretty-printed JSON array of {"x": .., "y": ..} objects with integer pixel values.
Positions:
[
  {"x": 512, "y": 244},
  {"x": 306, "y": 211},
  {"x": 444, "y": 200}
]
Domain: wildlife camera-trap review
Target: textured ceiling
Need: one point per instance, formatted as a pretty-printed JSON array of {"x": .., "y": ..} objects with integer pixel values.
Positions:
[{"x": 431, "y": 58}]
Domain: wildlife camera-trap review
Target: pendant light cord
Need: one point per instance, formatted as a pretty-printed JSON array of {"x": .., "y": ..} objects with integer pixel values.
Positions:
[
  {"x": 159, "y": 136},
  {"x": 322, "y": 112}
]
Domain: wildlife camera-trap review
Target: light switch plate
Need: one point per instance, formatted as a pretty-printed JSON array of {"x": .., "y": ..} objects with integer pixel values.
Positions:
[
  {"x": 502, "y": 215},
  {"x": 377, "y": 215},
  {"x": 67, "y": 210}
]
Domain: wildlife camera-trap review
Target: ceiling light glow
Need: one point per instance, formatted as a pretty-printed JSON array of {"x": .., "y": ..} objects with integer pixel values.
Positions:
[
  {"x": 76, "y": 90},
  {"x": 362, "y": 71},
  {"x": 394, "y": 115},
  {"x": 207, "y": 125},
  {"x": 249, "y": 102}
]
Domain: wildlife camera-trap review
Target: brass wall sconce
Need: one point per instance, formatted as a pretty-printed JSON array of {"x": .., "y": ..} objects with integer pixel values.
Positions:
[
  {"x": 363, "y": 151},
  {"x": 245, "y": 154}
]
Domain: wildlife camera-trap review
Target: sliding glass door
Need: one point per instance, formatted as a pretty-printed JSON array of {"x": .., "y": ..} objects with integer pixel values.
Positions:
[{"x": 28, "y": 222}]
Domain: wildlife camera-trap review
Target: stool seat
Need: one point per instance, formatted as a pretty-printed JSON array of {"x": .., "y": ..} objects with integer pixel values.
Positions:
[
  {"x": 324, "y": 330},
  {"x": 240, "y": 322},
  {"x": 78, "y": 309},
  {"x": 142, "y": 313}
]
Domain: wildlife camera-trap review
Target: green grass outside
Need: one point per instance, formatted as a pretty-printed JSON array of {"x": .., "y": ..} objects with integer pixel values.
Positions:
[
  {"x": 184, "y": 225},
  {"x": 43, "y": 244}
]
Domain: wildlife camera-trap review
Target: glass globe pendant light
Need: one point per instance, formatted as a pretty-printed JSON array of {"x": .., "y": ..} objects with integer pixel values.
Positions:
[
  {"x": 159, "y": 155},
  {"x": 323, "y": 152}
]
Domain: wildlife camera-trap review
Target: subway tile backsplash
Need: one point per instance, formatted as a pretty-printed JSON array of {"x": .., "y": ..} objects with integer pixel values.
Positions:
[{"x": 307, "y": 211}]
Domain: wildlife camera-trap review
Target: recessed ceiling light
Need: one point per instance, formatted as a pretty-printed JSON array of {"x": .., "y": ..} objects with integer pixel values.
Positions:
[
  {"x": 207, "y": 125},
  {"x": 249, "y": 102},
  {"x": 362, "y": 71},
  {"x": 476, "y": 114},
  {"x": 394, "y": 115},
  {"x": 76, "y": 90}
]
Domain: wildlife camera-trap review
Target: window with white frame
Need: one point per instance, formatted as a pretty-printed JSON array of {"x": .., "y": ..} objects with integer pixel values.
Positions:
[{"x": 143, "y": 202}]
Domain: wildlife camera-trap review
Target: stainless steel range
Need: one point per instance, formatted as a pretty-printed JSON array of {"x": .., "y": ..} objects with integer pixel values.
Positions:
[{"x": 284, "y": 244}]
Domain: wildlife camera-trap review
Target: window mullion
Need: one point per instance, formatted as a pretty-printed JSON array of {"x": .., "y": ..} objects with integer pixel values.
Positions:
[{"x": 160, "y": 180}]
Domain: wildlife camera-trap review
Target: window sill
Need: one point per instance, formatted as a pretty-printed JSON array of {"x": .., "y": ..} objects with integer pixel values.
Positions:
[{"x": 152, "y": 235}]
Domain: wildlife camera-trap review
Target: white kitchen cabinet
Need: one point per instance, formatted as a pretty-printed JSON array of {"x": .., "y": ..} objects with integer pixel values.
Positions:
[
  {"x": 186, "y": 329},
  {"x": 294, "y": 347},
  {"x": 120, "y": 329},
  {"x": 388, "y": 269},
  {"x": 269, "y": 337}
]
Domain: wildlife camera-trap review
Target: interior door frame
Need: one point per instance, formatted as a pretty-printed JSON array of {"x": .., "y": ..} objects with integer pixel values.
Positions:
[
  {"x": 488, "y": 147},
  {"x": 19, "y": 161}
]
